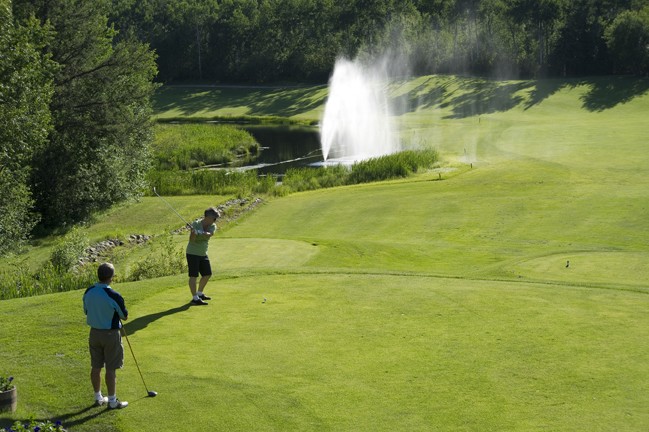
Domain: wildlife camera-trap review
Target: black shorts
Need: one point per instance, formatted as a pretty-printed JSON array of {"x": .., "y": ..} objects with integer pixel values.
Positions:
[{"x": 198, "y": 264}]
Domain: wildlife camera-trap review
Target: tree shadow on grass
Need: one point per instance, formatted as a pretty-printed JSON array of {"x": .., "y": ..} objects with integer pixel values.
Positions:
[
  {"x": 606, "y": 93},
  {"x": 545, "y": 88},
  {"x": 466, "y": 97},
  {"x": 485, "y": 97},
  {"x": 131, "y": 327},
  {"x": 258, "y": 101}
]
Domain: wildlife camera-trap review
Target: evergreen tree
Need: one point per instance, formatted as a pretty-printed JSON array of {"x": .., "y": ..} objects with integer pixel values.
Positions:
[{"x": 96, "y": 154}]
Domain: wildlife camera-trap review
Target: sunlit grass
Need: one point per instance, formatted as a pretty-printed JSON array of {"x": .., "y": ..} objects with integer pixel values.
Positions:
[{"x": 443, "y": 301}]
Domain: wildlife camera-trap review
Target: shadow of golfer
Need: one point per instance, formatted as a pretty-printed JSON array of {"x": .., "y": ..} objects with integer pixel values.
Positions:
[
  {"x": 137, "y": 324},
  {"x": 68, "y": 420}
]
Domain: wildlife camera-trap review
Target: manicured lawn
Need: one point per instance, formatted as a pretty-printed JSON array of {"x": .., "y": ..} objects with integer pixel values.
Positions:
[
  {"x": 439, "y": 302},
  {"x": 348, "y": 352}
]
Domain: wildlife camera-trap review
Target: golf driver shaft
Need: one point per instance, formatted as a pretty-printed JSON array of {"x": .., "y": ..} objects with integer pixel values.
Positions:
[
  {"x": 135, "y": 360},
  {"x": 170, "y": 206}
]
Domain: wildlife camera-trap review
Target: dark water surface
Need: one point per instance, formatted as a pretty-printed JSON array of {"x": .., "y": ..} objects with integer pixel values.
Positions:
[{"x": 285, "y": 147}]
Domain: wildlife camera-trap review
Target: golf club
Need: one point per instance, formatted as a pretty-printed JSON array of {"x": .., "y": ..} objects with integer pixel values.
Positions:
[
  {"x": 150, "y": 393},
  {"x": 173, "y": 209}
]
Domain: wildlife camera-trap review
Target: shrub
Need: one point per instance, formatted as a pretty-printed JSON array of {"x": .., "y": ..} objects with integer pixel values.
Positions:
[
  {"x": 67, "y": 252},
  {"x": 165, "y": 259},
  {"x": 18, "y": 281}
]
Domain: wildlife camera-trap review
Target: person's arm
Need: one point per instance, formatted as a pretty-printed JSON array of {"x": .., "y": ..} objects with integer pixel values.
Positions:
[
  {"x": 210, "y": 231},
  {"x": 119, "y": 303},
  {"x": 195, "y": 232}
]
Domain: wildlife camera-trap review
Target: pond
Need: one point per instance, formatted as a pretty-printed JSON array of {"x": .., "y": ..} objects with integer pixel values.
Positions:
[{"x": 284, "y": 147}]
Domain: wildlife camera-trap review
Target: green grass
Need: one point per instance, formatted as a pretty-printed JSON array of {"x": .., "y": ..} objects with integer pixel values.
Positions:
[
  {"x": 300, "y": 104},
  {"x": 437, "y": 302},
  {"x": 196, "y": 145}
]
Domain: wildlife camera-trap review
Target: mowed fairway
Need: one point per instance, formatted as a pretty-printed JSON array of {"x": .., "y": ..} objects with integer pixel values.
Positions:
[{"x": 442, "y": 302}]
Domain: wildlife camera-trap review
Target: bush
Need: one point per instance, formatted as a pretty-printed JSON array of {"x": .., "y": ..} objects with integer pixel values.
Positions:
[
  {"x": 19, "y": 282},
  {"x": 165, "y": 259},
  {"x": 67, "y": 252}
]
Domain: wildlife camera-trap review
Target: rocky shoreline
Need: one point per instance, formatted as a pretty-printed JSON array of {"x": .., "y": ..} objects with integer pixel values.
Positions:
[{"x": 231, "y": 210}]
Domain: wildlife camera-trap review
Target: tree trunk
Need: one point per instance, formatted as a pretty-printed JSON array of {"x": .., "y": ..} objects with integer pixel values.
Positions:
[{"x": 198, "y": 48}]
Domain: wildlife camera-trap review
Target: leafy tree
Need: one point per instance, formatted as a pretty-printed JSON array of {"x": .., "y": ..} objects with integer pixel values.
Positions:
[
  {"x": 96, "y": 154},
  {"x": 25, "y": 92},
  {"x": 235, "y": 31},
  {"x": 627, "y": 39}
]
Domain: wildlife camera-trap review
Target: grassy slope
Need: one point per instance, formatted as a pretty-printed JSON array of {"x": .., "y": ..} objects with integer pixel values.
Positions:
[{"x": 407, "y": 305}]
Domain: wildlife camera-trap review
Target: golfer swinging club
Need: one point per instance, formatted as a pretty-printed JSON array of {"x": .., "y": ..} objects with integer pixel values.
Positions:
[
  {"x": 104, "y": 308},
  {"x": 197, "y": 259}
]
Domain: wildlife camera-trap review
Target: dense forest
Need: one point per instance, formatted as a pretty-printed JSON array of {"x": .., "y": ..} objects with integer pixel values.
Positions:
[
  {"x": 77, "y": 76},
  {"x": 262, "y": 41}
]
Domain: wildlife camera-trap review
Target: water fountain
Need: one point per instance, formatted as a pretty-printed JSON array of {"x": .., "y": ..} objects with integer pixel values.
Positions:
[{"x": 357, "y": 123}]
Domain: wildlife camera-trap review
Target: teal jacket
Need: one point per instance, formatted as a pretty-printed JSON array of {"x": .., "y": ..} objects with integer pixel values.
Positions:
[{"x": 104, "y": 307}]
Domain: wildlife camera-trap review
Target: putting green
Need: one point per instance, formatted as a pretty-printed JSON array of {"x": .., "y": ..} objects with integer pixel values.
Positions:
[
  {"x": 624, "y": 270},
  {"x": 233, "y": 254}
]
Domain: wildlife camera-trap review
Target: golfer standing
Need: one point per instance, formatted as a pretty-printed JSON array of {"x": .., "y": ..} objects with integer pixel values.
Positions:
[
  {"x": 104, "y": 308},
  {"x": 197, "y": 260}
]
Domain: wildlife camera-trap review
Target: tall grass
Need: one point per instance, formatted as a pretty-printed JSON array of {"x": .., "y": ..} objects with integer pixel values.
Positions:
[
  {"x": 382, "y": 168},
  {"x": 188, "y": 146},
  {"x": 17, "y": 281},
  {"x": 202, "y": 182},
  {"x": 391, "y": 166},
  {"x": 243, "y": 183},
  {"x": 165, "y": 259}
]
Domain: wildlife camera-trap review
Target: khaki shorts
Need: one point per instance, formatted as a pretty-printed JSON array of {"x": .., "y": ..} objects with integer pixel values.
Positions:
[{"x": 106, "y": 349}]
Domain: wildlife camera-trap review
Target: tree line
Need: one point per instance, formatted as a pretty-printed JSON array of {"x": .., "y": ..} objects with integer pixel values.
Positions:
[
  {"x": 299, "y": 40},
  {"x": 74, "y": 114}
]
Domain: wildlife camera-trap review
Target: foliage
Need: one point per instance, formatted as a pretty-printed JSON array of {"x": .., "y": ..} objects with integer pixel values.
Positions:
[
  {"x": 245, "y": 183},
  {"x": 96, "y": 154},
  {"x": 17, "y": 281},
  {"x": 301, "y": 179},
  {"x": 36, "y": 426},
  {"x": 299, "y": 40},
  {"x": 397, "y": 165},
  {"x": 197, "y": 145},
  {"x": 164, "y": 259},
  {"x": 6, "y": 383},
  {"x": 627, "y": 39},
  {"x": 25, "y": 92},
  {"x": 215, "y": 181},
  {"x": 69, "y": 249},
  {"x": 16, "y": 217},
  {"x": 400, "y": 164}
]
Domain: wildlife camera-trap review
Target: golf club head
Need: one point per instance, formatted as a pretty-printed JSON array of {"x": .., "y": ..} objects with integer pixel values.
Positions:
[{"x": 151, "y": 393}]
